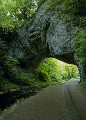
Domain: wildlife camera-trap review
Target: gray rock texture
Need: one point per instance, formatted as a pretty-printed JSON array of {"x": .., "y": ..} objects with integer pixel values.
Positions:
[{"x": 48, "y": 35}]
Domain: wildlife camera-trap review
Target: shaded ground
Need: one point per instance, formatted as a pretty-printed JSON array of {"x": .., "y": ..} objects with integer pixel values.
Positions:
[{"x": 64, "y": 102}]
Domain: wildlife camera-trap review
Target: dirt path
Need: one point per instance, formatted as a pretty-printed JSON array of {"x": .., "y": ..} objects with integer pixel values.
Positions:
[{"x": 64, "y": 102}]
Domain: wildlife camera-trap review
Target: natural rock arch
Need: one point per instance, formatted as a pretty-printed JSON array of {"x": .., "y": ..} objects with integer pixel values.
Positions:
[{"x": 47, "y": 36}]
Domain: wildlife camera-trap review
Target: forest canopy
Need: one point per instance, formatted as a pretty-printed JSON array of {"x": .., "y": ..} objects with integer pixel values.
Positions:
[
  {"x": 53, "y": 70},
  {"x": 15, "y": 13}
]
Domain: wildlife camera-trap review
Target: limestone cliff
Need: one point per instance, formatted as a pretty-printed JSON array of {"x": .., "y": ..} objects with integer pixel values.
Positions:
[{"x": 47, "y": 36}]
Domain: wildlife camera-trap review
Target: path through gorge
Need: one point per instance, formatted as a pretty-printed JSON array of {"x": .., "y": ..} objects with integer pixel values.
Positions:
[{"x": 64, "y": 102}]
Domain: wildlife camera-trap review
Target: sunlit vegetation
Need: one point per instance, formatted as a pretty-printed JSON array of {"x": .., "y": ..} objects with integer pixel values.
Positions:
[
  {"x": 15, "y": 13},
  {"x": 53, "y": 70}
]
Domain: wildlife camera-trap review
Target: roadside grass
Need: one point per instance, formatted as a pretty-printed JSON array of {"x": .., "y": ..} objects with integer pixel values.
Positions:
[
  {"x": 51, "y": 86},
  {"x": 57, "y": 84}
]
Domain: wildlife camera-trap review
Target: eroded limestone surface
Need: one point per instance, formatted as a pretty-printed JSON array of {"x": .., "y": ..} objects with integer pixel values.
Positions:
[{"x": 48, "y": 35}]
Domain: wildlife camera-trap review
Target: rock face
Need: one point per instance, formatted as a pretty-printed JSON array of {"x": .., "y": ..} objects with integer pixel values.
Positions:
[{"x": 47, "y": 36}]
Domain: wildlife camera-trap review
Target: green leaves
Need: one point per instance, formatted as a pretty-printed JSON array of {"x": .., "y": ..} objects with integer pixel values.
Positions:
[
  {"x": 76, "y": 7},
  {"x": 71, "y": 71},
  {"x": 79, "y": 44},
  {"x": 2, "y": 49},
  {"x": 53, "y": 70},
  {"x": 50, "y": 5},
  {"x": 14, "y": 13}
]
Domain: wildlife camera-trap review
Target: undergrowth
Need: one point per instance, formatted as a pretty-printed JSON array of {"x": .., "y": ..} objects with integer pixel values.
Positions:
[{"x": 83, "y": 84}]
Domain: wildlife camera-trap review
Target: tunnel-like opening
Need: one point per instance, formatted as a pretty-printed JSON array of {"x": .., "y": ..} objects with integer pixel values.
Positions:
[{"x": 54, "y": 70}]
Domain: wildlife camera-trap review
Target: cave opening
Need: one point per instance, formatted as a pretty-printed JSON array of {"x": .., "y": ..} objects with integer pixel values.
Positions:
[{"x": 54, "y": 70}]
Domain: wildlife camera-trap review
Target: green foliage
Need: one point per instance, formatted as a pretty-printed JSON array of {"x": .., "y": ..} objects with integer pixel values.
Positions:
[
  {"x": 79, "y": 44},
  {"x": 15, "y": 75},
  {"x": 10, "y": 75},
  {"x": 4, "y": 62},
  {"x": 21, "y": 77},
  {"x": 2, "y": 49},
  {"x": 71, "y": 71},
  {"x": 39, "y": 2},
  {"x": 46, "y": 68},
  {"x": 2, "y": 54},
  {"x": 50, "y": 5},
  {"x": 14, "y": 13},
  {"x": 6, "y": 85},
  {"x": 75, "y": 7},
  {"x": 83, "y": 84},
  {"x": 76, "y": 10},
  {"x": 53, "y": 70}
]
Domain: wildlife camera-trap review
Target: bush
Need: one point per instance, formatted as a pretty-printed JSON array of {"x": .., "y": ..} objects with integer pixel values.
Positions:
[
  {"x": 83, "y": 84},
  {"x": 79, "y": 44},
  {"x": 75, "y": 7},
  {"x": 53, "y": 70},
  {"x": 43, "y": 76},
  {"x": 6, "y": 85}
]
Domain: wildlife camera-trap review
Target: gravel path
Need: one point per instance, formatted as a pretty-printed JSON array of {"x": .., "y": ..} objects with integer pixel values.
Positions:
[{"x": 64, "y": 102}]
